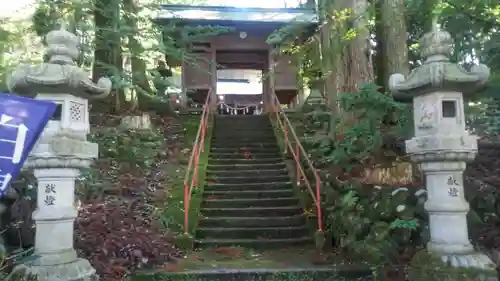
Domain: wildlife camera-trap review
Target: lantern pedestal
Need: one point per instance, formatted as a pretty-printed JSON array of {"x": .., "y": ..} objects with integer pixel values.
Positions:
[
  {"x": 55, "y": 257},
  {"x": 78, "y": 270}
]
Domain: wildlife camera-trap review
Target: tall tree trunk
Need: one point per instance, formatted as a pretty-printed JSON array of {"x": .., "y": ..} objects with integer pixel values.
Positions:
[
  {"x": 357, "y": 60},
  {"x": 139, "y": 68},
  {"x": 331, "y": 53},
  {"x": 346, "y": 64},
  {"x": 391, "y": 35},
  {"x": 108, "y": 61}
]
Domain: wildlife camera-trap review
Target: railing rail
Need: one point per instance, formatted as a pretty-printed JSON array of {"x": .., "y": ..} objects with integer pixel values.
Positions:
[
  {"x": 298, "y": 152},
  {"x": 191, "y": 176}
]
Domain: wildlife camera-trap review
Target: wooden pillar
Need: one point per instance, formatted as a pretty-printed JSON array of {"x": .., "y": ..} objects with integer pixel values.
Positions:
[
  {"x": 184, "y": 97},
  {"x": 269, "y": 86},
  {"x": 300, "y": 95},
  {"x": 213, "y": 70},
  {"x": 265, "y": 89}
]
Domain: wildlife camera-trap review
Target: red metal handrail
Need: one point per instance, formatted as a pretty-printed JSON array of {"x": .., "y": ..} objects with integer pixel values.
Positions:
[
  {"x": 191, "y": 179},
  {"x": 287, "y": 128}
]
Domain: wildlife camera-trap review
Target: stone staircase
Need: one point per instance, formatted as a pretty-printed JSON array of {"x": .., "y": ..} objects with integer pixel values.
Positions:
[{"x": 249, "y": 200}]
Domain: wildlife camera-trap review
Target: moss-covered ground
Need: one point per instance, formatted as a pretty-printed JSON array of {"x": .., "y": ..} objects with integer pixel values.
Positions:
[
  {"x": 242, "y": 258},
  {"x": 172, "y": 214}
]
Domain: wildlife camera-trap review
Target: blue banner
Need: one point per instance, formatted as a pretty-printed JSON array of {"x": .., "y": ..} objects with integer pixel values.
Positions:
[{"x": 22, "y": 120}]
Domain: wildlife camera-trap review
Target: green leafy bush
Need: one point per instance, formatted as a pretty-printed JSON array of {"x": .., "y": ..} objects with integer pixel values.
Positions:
[
  {"x": 366, "y": 222},
  {"x": 369, "y": 118},
  {"x": 123, "y": 154},
  {"x": 374, "y": 223}
]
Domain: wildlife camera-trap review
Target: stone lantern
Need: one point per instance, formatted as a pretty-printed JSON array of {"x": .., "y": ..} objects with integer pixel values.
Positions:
[
  {"x": 61, "y": 151},
  {"x": 441, "y": 145}
]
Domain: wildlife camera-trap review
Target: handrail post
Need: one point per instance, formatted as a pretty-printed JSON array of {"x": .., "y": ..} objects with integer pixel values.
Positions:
[
  {"x": 186, "y": 208},
  {"x": 285, "y": 133},
  {"x": 318, "y": 206},
  {"x": 297, "y": 164},
  {"x": 202, "y": 133},
  {"x": 195, "y": 168}
]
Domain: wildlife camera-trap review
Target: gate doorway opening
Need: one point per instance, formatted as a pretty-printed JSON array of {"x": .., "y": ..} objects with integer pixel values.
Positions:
[{"x": 239, "y": 91}]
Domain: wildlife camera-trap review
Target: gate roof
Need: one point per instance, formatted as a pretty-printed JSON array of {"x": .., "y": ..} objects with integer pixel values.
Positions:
[{"x": 247, "y": 18}]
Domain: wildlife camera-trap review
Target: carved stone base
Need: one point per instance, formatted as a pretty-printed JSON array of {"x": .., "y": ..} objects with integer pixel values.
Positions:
[
  {"x": 473, "y": 261},
  {"x": 79, "y": 270},
  {"x": 142, "y": 122}
]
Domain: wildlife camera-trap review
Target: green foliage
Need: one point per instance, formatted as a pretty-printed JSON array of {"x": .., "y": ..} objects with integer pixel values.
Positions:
[
  {"x": 120, "y": 152},
  {"x": 184, "y": 241},
  {"x": 411, "y": 224},
  {"x": 135, "y": 148},
  {"x": 365, "y": 222},
  {"x": 17, "y": 45},
  {"x": 18, "y": 256},
  {"x": 172, "y": 214},
  {"x": 483, "y": 116},
  {"x": 374, "y": 223},
  {"x": 359, "y": 136}
]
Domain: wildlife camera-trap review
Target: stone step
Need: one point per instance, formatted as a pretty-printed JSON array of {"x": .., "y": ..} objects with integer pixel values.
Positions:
[
  {"x": 249, "y": 202},
  {"x": 296, "y": 220},
  {"x": 245, "y": 149},
  {"x": 252, "y": 211},
  {"x": 253, "y": 232},
  {"x": 228, "y": 183},
  {"x": 245, "y": 161},
  {"x": 241, "y": 131},
  {"x": 241, "y": 124},
  {"x": 229, "y": 172},
  {"x": 244, "y": 167},
  {"x": 250, "y": 194},
  {"x": 255, "y": 243},
  {"x": 304, "y": 272},
  {"x": 249, "y": 123},
  {"x": 248, "y": 140},
  {"x": 245, "y": 187},
  {"x": 245, "y": 155},
  {"x": 251, "y": 185},
  {"x": 241, "y": 117},
  {"x": 242, "y": 121},
  {"x": 240, "y": 142},
  {"x": 244, "y": 131},
  {"x": 250, "y": 145}
]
